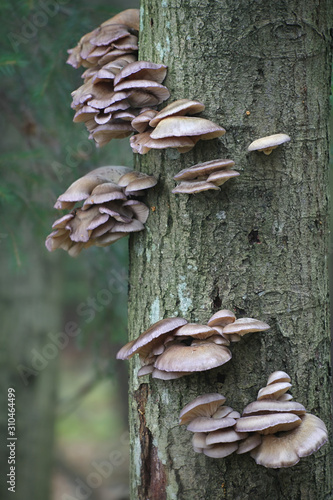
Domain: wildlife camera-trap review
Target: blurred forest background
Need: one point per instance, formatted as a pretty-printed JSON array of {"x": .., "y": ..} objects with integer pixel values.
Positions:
[
  {"x": 76, "y": 388},
  {"x": 71, "y": 384}
]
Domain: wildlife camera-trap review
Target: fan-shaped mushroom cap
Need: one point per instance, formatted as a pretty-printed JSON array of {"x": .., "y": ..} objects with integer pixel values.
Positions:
[
  {"x": 193, "y": 187},
  {"x": 83, "y": 187},
  {"x": 206, "y": 424},
  {"x": 245, "y": 325},
  {"x": 202, "y": 406},
  {"x": 225, "y": 436},
  {"x": 249, "y": 443},
  {"x": 273, "y": 391},
  {"x": 289, "y": 447},
  {"x": 142, "y": 143},
  {"x": 180, "y": 107},
  {"x": 140, "y": 210},
  {"x": 187, "y": 126},
  {"x": 142, "y": 70},
  {"x": 199, "y": 440},
  {"x": 160, "y": 374},
  {"x": 285, "y": 397},
  {"x": 202, "y": 356},
  {"x": 278, "y": 376},
  {"x": 157, "y": 331},
  {"x": 268, "y": 424},
  {"x": 203, "y": 169},
  {"x": 130, "y": 17},
  {"x": 273, "y": 406},
  {"x": 111, "y": 130},
  {"x": 145, "y": 370},
  {"x": 141, "y": 122},
  {"x": 195, "y": 330},
  {"x": 222, "y": 412},
  {"x": 222, "y": 176},
  {"x": 220, "y": 450},
  {"x": 268, "y": 143},
  {"x": 157, "y": 90},
  {"x": 83, "y": 222},
  {"x": 221, "y": 318}
]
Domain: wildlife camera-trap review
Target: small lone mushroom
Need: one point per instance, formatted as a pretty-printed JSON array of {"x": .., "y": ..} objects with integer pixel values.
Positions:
[{"x": 268, "y": 143}]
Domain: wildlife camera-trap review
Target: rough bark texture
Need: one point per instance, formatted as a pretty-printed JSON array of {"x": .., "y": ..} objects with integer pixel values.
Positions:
[{"x": 258, "y": 246}]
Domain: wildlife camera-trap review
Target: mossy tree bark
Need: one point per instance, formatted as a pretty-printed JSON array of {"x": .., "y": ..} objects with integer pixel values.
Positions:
[{"x": 258, "y": 246}]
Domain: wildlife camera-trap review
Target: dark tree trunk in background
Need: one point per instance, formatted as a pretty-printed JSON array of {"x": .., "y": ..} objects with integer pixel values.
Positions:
[
  {"x": 29, "y": 311},
  {"x": 258, "y": 247}
]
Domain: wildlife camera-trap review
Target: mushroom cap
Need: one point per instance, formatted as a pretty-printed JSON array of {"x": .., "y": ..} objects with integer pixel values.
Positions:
[
  {"x": 222, "y": 411},
  {"x": 286, "y": 449},
  {"x": 160, "y": 374},
  {"x": 130, "y": 17},
  {"x": 202, "y": 356},
  {"x": 193, "y": 187},
  {"x": 249, "y": 443},
  {"x": 139, "y": 209},
  {"x": 225, "y": 436},
  {"x": 158, "y": 90},
  {"x": 141, "y": 122},
  {"x": 153, "y": 333},
  {"x": 220, "y": 177},
  {"x": 285, "y": 397},
  {"x": 207, "y": 424},
  {"x": 142, "y": 143},
  {"x": 202, "y": 406},
  {"x": 83, "y": 187},
  {"x": 220, "y": 450},
  {"x": 142, "y": 70},
  {"x": 203, "y": 169},
  {"x": 273, "y": 391},
  {"x": 245, "y": 325},
  {"x": 180, "y": 107},
  {"x": 270, "y": 141},
  {"x": 273, "y": 406},
  {"x": 268, "y": 424},
  {"x": 145, "y": 370},
  {"x": 195, "y": 330},
  {"x": 186, "y": 126},
  {"x": 222, "y": 318},
  {"x": 103, "y": 134},
  {"x": 278, "y": 376}
]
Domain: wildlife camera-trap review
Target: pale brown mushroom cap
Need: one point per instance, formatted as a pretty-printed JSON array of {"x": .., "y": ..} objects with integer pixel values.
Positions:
[
  {"x": 142, "y": 70},
  {"x": 203, "y": 169},
  {"x": 141, "y": 122},
  {"x": 222, "y": 412},
  {"x": 193, "y": 187},
  {"x": 202, "y": 406},
  {"x": 243, "y": 326},
  {"x": 145, "y": 370},
  {"x": 199, "y": 440},
  {"x": 159, "y": 91},
  {"x": 196, "y": 358},
  {"x": 249, "y": 443},
  {"x": 195, "y": 330},
  {"x": 221, "y": 450},
  {"x": 222, "y": 318},
  {"x": 153, "y": 333},
  {"x": 162, "y": 375},
  {"x": 285, "y": 397},
  {"x": 225, "y": 436},
  {"x": 273, "y": 391},
  {"x": 266, "y": 144},
  {"x": 273, "y": 406},
  {"x": 278, "y": 376},
  {"x": 187, "y": 126},
  {"x": 286, "y": 449},
  {"x": 130, "y": 17},
  {"x": 268, "y": 423},
  {"x": 180, "y": 107},
  {"x": 206, "y": 424},
  {"x": 222, "y": 176}
]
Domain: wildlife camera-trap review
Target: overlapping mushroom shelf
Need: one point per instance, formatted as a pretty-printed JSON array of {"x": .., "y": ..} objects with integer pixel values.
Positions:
[
  {"x": 173, "y": 128},
  {"x": 276, "y": 431},
  {"x": 109, "y": 211},
  {"x": 172, "y": 347},
  {"x": 287, "y": 432},
  {"x": 204, "y": 176},
  {"x": 117, "y": 87}
]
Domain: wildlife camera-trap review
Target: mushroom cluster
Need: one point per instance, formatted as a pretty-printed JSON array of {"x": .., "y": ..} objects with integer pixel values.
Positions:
[
  {"x": 117, "y": 87},
  {"x": 213, "y": 425},
  {"x": 172, "y": 127},
  {"x": 285, "y": 431},
  {"x": 172, "y": 347},
  {"x": 204, "y": 176},
  {"x": 268, "y": 143},
  {"x": 109, "y": 210}
]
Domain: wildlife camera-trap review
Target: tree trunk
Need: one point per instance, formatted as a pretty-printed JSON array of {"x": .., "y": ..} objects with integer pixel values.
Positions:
[{"x": 257, "y": 247}]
